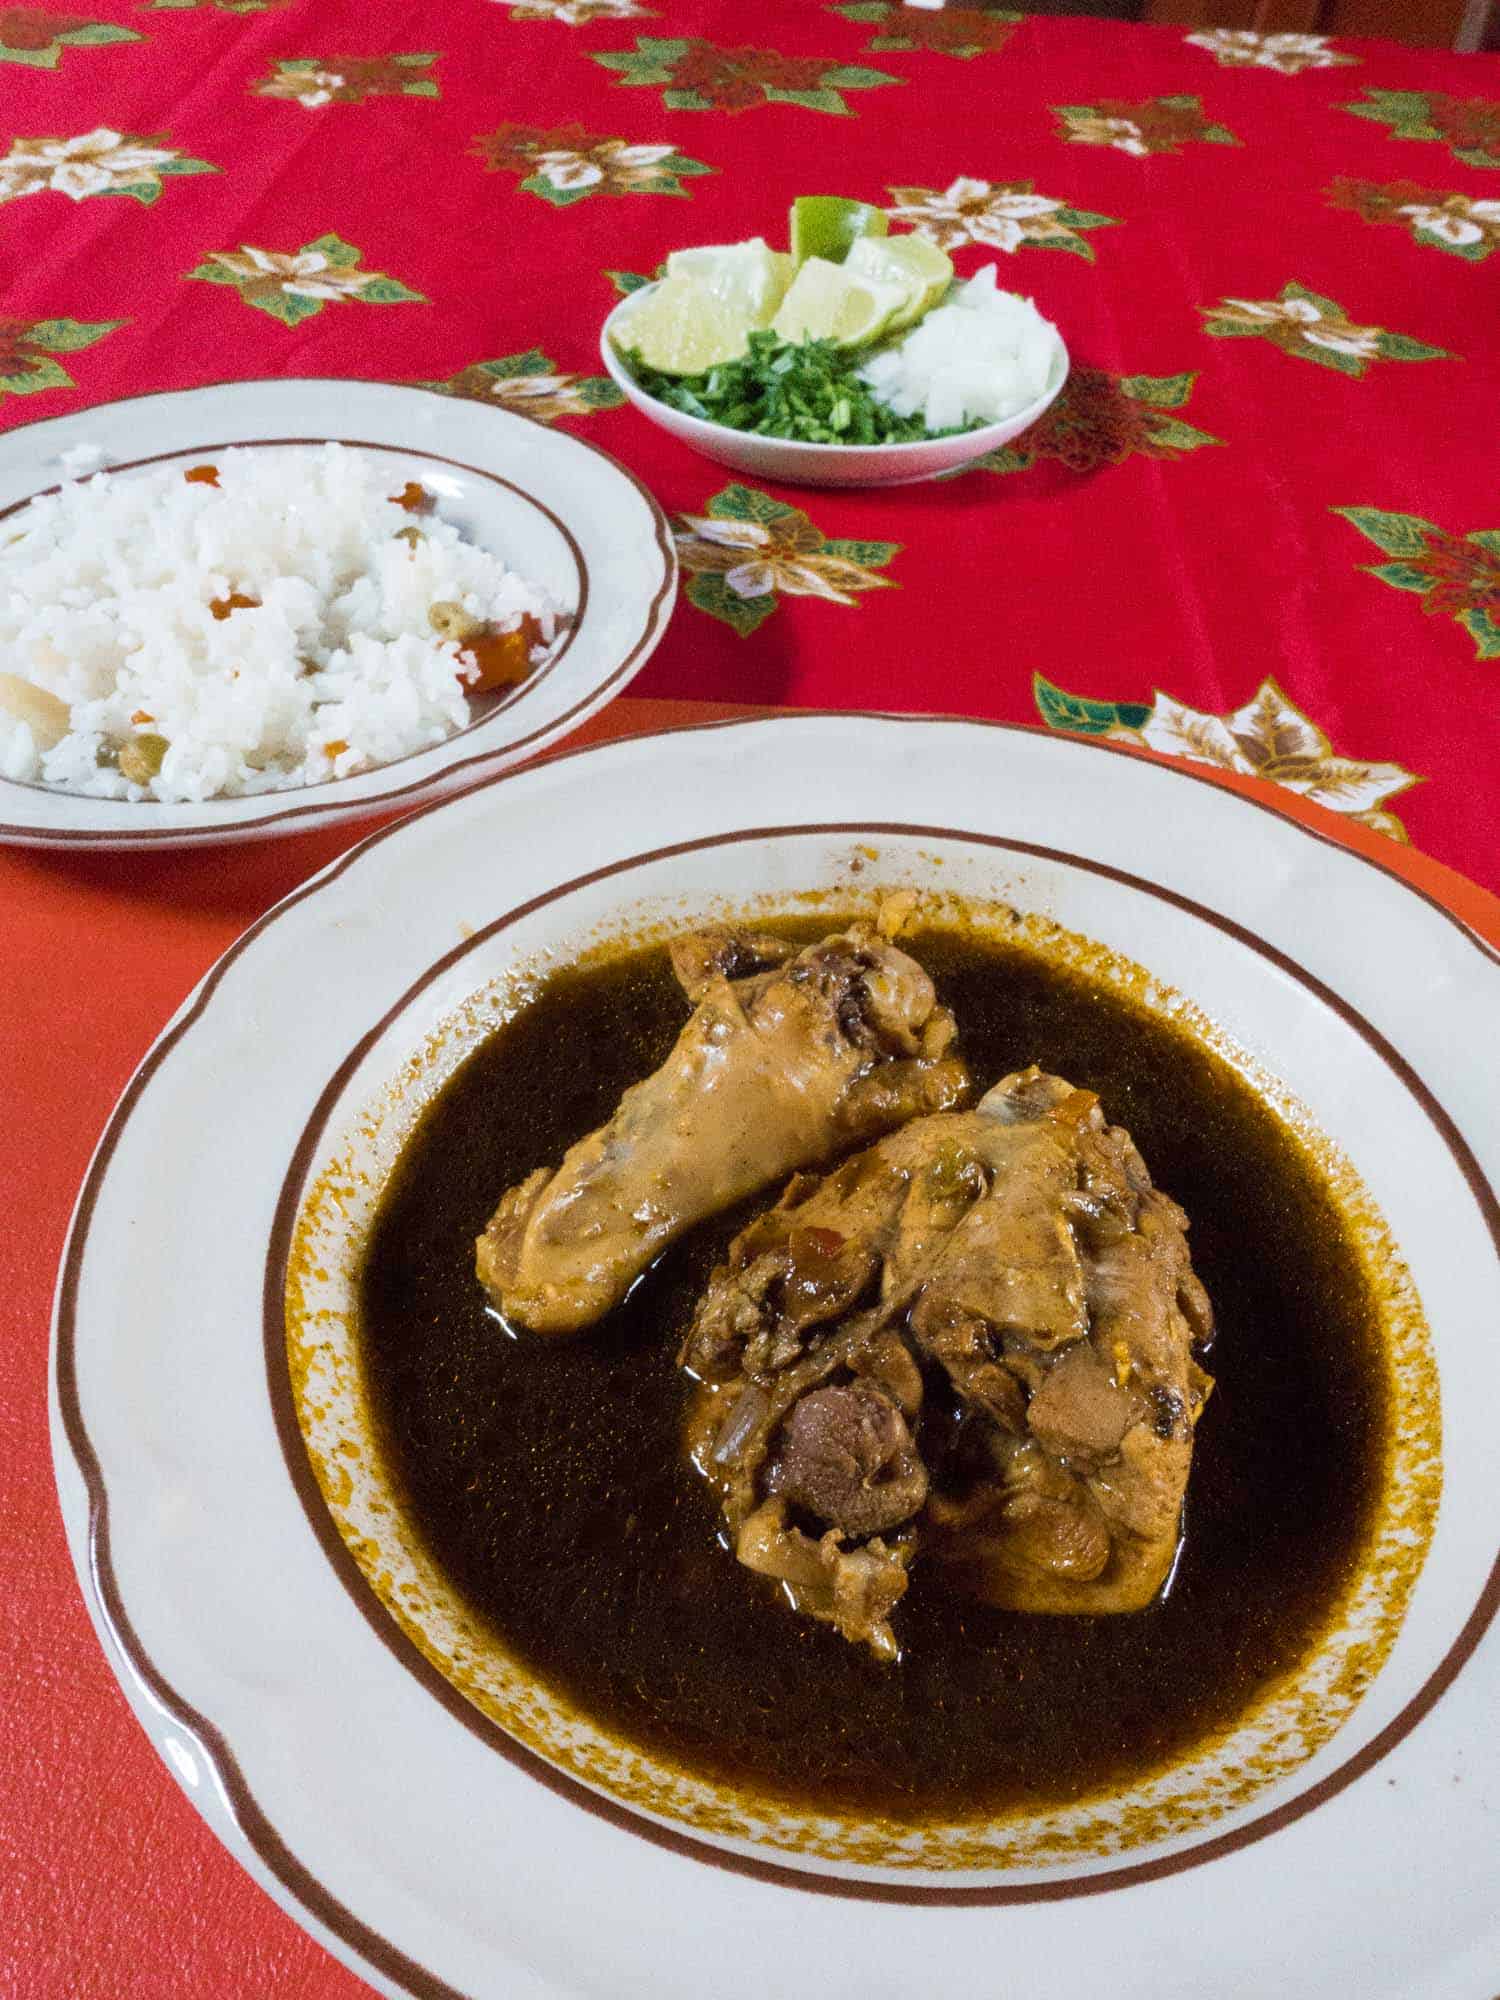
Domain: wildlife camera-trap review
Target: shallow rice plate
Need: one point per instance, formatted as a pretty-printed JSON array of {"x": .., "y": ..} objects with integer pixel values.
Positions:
[
  {"x": 558, "y": 511},
  {"x": 259, "y": 623},
  {"x": 440, "y": 1853}
]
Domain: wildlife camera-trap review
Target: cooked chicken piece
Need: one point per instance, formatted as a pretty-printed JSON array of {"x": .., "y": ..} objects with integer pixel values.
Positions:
[
  {"x": 974, "y": 1188},
  {"x": 1037, "y": 1519},
  {"x": 731, "y": 1426},
  {"x": 789, "y": 1056},
  {"x": 1113, "y": 1408},
  {"x": 846, "y": 1455},
  {"x": 720, "y": 951},
  {"x": 854, "y": 1589},
  {"x": 1021, "y": 1249}
]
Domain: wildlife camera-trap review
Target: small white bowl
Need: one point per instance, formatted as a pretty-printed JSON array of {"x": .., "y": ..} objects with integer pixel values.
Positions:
[{"x": 798, "y": 464}]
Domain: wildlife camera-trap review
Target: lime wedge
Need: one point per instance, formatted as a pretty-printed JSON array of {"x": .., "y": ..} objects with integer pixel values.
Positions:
[
  {"x": 903, "y": 260},
  {"x": 749, "y": 277},
  {"x": 824, "y": 225},
  {"x": 826, "y": 303},
  {"x": 681, "y": 327}
]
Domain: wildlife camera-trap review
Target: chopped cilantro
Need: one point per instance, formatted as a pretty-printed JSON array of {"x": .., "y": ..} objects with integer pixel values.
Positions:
[{"x": 811, "y": 392}]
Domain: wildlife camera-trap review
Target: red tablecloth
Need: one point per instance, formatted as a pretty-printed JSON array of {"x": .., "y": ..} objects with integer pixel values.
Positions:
[{"x": 1262, "y": 529}]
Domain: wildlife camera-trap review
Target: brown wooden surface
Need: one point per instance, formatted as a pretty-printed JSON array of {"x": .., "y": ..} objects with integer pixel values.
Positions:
[
  {"x": 1435, "y": 23},
  {"x": 1432, "y": 21},
  {"x": 1264, "y": 14}
]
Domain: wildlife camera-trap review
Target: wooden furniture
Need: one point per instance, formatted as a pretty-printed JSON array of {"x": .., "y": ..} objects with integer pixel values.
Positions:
[{"x": 1454, "y": 24}]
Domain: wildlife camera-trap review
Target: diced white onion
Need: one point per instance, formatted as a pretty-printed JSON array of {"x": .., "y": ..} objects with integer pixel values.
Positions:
[{"x": 983, "y": 356}]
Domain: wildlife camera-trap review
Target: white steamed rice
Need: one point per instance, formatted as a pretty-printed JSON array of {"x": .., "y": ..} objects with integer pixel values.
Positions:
[
  {"x": 980, "y": 358},
  {"x": 105, "y": 589}
]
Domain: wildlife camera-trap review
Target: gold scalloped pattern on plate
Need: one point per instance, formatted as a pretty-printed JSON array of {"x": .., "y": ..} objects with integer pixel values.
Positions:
[{"x": 1291, "y": 1719}]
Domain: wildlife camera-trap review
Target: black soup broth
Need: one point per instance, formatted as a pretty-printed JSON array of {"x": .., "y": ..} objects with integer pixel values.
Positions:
[{"x": 547, "y": 1479}]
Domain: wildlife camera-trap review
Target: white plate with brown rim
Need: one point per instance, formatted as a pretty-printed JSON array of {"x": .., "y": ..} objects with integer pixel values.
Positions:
[
  {"x": 442, "y": 1819},
  {"x": 557, "y": 510}
]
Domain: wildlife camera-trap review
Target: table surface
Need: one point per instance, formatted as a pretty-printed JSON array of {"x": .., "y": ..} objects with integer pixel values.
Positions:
[{"x": 1260, "y": 530}]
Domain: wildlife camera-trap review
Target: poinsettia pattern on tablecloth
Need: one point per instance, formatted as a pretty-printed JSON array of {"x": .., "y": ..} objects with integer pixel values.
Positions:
[
  {"x": 1266, "y": 323},
  {"x": 1300, "y": 322},
  {"x": 695, "y": 75},
  {"x": 576, "y": 13},
  {"x": 313, "y": 81},
  {"x": 1468, "y": 126},
  {"x": 565, "y": 164},
  {"x": 531, "y": 384},
  {"x": 1102, "y": 419},
  {"x": 964, "y": 32},
  {"x": 29, "y": 349},
  {"x": 746, "y": 550},
  {"x": 219, "y": 6},
  {"x": 101, "y": 162},
  {"x": 1269, "y": 737},
  {"x": 1458, "y": 223},
  {"x": 1455, "y": 576},
  {"x": 997, "y": 215},
  {"x": 294, "y": 285},
  {"x": 1160, "y": 125},
  {"x": 1288, "y": 54},
  {"x": 37, "y": 38}
]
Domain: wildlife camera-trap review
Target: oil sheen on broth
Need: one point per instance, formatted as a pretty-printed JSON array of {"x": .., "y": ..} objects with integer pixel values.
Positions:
[{"x": 547, "y": 1479}]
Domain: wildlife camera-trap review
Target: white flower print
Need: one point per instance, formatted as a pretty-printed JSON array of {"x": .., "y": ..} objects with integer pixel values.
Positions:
[
  {"x": 1272, "y": 739},
  {"x": 609, "y": 163},
  {"x": 788, "y": 555},
  {"x": 94, "y": 162},
  {"x": 1456, "y": 229},
  {"x": 1302, "y": 323},
  {"x": 1288, "y": 53},
  {"x": 575, "y": 13},
  {"x": 999, "y": 215}
]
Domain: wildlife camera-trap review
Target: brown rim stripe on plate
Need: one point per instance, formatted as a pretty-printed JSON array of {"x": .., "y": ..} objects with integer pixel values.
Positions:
[
  {"x": 258, "y": 1831},
  {"x": 320, "y": 804},
  {"x": 211, "y": 1745}
]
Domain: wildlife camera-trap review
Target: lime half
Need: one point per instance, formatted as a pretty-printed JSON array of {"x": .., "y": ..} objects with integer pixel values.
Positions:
[
  {"x": 682, "y": 327},
  {"x": 827, "y": 303},
  {"x": 749, "y": 277},
  {"x": 903, "y": 260},
  {"x": 824, "y": 225}
]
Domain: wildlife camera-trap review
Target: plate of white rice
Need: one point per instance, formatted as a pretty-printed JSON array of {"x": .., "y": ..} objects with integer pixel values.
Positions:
[{"x": 259, "y": 607}]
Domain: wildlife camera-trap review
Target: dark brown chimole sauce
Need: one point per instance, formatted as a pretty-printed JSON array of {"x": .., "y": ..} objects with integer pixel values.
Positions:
[{"x": 547, "y": 1478}]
